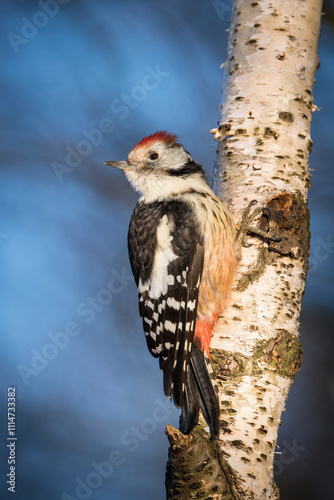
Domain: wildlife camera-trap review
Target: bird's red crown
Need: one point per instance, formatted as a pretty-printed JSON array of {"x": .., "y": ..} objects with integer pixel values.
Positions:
[{"x": 163, "y": 136}]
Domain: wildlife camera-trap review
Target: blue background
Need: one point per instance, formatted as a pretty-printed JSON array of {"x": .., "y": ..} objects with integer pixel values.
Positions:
[{"x": 97, "y": 397}]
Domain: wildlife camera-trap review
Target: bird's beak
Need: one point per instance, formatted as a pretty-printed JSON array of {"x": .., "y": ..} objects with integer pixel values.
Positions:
[{"x": 117, "y": 164}]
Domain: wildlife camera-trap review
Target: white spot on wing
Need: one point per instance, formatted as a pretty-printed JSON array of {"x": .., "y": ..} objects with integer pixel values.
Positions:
[
  {"x": 161, "y": 306},
  {"x": 157, "y": 350},
  {"x": 148, "y": 321},
  {"x": 171, "y": 327},
  {"x": 191, "y": 304},
  {"x": 155, "y": 316},
  {"x": 175, "y": 304},
  {"x": 170, "y": 280}
]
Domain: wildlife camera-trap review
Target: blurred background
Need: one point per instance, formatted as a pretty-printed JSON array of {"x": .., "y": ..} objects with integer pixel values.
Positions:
[{"x": 82, "y": 82}]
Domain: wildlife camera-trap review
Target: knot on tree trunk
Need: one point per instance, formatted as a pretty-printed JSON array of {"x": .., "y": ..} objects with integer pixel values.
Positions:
[{"x": 197, "y": 468}]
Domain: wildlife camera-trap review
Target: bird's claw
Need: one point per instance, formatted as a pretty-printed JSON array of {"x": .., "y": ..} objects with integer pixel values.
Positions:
[{"x": 246, "y": 228}]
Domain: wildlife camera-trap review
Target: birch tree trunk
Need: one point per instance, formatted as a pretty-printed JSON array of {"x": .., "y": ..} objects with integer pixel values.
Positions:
[{"x": 263, "y": 154}]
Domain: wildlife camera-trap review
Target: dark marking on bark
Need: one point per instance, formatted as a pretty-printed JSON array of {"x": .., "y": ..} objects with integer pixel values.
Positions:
[
  {"x": 286, "y": 116},
  {"x": 281, "y": 56},
  {"x": 269, "y": 133},
  {"x": 237, "y": 443},
  {"x": 224, "y": 129},
  {"x": 224, "y": 425},
  {"x": 237, "y": 306},
  {"x": 252, "y": 41}
]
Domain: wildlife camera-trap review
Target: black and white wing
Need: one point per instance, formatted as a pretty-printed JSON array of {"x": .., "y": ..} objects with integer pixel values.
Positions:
[{"x": 166, "y": 255}]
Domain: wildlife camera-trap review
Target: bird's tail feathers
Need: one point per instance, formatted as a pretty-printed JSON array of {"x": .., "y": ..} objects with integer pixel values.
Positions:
[{"x": 200, "y": 394}]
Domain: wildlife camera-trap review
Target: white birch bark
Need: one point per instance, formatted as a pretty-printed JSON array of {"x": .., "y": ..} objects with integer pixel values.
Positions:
[{"x": 264, "y": 146}]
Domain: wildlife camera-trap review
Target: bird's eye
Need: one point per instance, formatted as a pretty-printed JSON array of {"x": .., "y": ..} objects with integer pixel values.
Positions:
[{"x": 154, "y": 156}]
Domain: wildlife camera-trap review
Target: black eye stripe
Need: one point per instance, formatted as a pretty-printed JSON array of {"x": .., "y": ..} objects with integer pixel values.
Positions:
[{"x": 154, "y": 155}]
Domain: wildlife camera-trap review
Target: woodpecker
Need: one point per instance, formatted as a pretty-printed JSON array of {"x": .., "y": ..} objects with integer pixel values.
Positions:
[{"x": 181, "y": 249}]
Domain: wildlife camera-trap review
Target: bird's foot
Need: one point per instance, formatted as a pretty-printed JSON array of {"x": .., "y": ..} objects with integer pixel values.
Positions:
[{"x": 245, "y": 226}]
